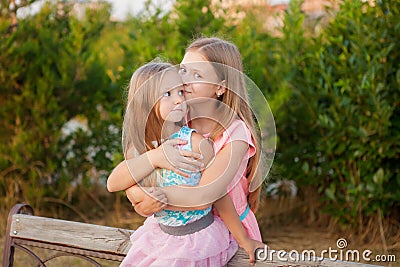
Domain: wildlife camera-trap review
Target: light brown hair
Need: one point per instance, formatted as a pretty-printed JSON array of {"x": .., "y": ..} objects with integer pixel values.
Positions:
[
  {"x": 230, "y": 69},
  {"x": 142, "y": 124}
]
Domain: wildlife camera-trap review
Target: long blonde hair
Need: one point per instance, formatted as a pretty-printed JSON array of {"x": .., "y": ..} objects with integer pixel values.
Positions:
[
  {"x": 230, "y": 69},
  {"x": 142, "y": 124}
]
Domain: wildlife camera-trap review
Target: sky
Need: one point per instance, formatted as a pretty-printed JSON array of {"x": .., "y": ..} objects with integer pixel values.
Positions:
[{"x": 121, "y": 8}]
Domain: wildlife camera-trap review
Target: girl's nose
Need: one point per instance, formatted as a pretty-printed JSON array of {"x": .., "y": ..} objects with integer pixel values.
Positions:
[
  {"x": 178, "y": 99},
  {"x": 184, "y": 78}
]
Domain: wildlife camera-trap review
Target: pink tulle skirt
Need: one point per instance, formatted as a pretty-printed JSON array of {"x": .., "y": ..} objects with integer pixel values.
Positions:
[{"x": 211, "y": 246}]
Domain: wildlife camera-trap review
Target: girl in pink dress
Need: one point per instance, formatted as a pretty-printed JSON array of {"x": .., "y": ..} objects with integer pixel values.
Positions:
[{"x": 238, "y": 126}]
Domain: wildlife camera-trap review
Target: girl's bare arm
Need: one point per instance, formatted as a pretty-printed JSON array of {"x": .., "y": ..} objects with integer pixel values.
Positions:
[
  {"x": 128, "y": 173},
  {"x": 228, "y": 214},
  {"x": 132, "y": 170},
  {"x": 145, "y": 200},
  {"x": 215, "y": 179}
]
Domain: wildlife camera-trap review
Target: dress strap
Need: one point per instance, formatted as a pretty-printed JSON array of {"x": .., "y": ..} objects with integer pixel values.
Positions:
[
  {"x": 184, "y": 133},
  {"x": 244, "y": 214}
]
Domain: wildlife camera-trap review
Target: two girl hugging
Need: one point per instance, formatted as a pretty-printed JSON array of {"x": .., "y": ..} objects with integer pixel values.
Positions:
[{"x": 192, "y": 151}]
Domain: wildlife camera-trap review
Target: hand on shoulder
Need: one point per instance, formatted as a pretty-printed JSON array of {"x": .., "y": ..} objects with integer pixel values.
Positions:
[{"x": 205, "y": 147}]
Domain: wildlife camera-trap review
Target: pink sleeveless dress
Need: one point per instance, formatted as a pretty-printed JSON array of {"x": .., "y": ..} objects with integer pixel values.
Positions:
[{"x": 238, "y": 188}]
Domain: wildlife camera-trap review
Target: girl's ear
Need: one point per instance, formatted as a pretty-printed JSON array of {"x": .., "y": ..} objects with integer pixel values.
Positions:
[{"x": 221, "y": 88}]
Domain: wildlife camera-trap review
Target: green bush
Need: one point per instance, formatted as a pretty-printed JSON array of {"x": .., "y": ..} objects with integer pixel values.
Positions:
[
  {"x": 340, "y": 132},
  {"x": 50, "y": 75}
]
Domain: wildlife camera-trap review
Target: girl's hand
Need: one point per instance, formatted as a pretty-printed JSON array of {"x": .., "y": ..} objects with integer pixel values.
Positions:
[
  {"x": 154, "y": 200},
  {"x": 250, "y": 246},
  {"x": 175, "y": 159}
]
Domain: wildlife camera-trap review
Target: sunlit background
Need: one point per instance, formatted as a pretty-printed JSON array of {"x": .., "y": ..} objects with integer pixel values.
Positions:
[{"x": 329, "y": 70}]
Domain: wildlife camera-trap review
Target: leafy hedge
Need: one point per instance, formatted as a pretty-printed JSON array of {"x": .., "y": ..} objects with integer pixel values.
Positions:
[
  {"x": 341, "y": 123},
  {"x": 51, "y": 75}
]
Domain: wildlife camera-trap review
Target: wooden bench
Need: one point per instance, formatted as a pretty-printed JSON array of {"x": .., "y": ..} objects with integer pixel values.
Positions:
[{"x": 92, "y": 242}]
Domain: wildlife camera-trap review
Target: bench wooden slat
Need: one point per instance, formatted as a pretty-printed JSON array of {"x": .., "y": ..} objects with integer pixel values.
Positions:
[
  {"x": 74, "y": 234},
  {"x": 96, "y": 241}
]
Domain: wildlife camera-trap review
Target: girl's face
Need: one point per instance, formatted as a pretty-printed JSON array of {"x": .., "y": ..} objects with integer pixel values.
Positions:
[
  {"x": 172, "y": 104},
  {"x": 198, "y": 74}
]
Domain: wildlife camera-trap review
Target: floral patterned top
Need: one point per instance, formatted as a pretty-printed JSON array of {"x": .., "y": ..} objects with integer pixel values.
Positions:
[{"x": 170, "y": 178}]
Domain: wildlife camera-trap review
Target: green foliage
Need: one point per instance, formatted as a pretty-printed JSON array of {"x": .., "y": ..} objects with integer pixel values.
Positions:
[
  {"x": 360, "y": 113},
  {"x": 197, "y": 17},
  {"x": 342, "y": 129},
  {"x": 49, "y": 76}
]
